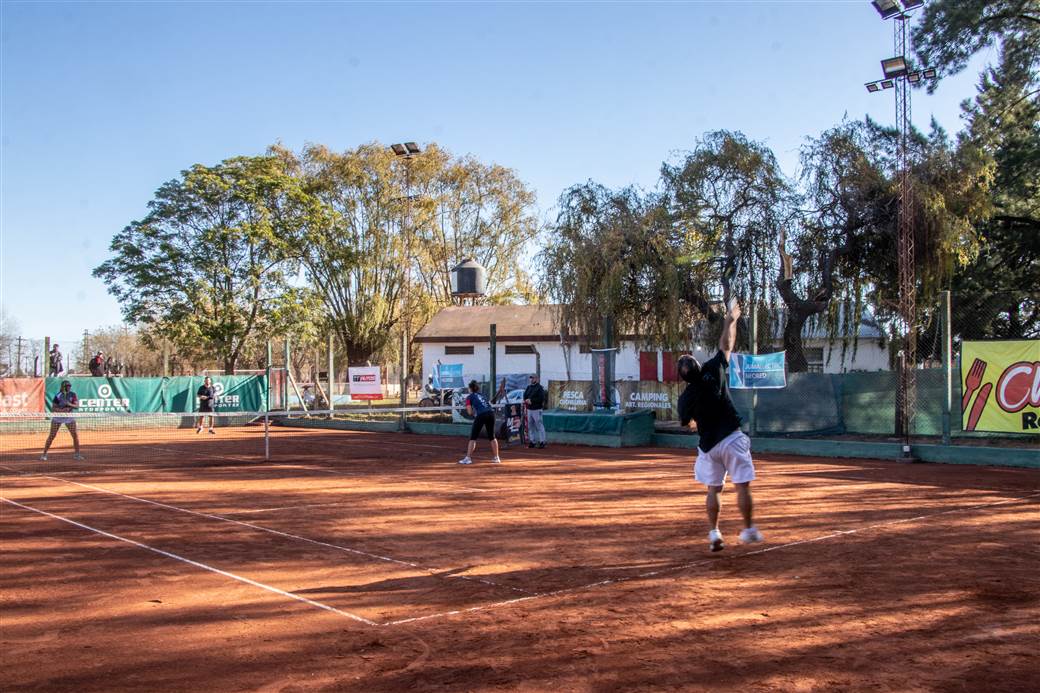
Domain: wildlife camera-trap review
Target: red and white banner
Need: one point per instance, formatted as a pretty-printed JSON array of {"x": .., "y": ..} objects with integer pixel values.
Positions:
[
  {"x": 365, "y": 382},
  {"x": 21, "y": 395}
]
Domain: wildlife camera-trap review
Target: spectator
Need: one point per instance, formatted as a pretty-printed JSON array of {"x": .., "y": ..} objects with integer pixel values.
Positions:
[
  {"x": 308, "y": 398},
  {"x": 534, "y": 398},
  {"x": 56, "y": 366},
  {"x": 97, "y": 365},
  {"x": 110, "y": 366}
]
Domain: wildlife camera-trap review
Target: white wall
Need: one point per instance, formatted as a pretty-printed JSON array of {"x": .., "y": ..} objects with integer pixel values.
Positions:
[
  {"x": 869, "y": 357},
  {"x": 553, "y": 362}
]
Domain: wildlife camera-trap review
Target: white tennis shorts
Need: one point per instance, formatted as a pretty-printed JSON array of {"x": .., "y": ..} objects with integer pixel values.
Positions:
[{"x": 732, "y": 456}]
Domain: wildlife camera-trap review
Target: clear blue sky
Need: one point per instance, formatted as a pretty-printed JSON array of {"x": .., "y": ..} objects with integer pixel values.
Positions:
[{"x": 103, "y": 102}]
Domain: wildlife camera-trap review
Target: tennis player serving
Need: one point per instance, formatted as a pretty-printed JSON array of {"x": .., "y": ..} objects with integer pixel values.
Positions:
[
  {"x": 705, "y": 405},
  {"x": 65, "y": 402}
]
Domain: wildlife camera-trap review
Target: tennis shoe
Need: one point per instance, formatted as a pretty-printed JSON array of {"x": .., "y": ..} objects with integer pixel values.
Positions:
[
  {"x": 198, "y": 430},
  {"x": 78, "y": 456},
  {"x": 466, "y": 460},
  {"x": 715, "y": 542},
  {"x": 751, "y": 535},
  {"x": 43, "y": 458},
  {"x": 212, "y": 431},
  {"x": 541, "y": 445},
  {"x": 496, "y": 460}
]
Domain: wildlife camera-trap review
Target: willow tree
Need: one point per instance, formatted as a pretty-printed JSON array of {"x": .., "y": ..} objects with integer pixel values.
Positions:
[
  {"x": 203, "y": 268},
  {"x": 615, "y": 254}
]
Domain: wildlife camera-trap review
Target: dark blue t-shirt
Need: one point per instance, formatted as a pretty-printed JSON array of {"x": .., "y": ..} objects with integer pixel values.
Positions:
[{"x": 479, "y": 403}]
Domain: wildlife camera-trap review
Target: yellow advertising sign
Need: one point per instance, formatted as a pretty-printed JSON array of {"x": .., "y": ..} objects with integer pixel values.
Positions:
[{"x": 1001, "y": 386}]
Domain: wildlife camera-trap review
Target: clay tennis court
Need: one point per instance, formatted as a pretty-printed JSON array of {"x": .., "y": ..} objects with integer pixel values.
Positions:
[{"x": 373, "y": 562}]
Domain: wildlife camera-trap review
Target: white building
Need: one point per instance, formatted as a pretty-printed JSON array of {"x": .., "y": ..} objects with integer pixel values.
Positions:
[{"x": 529, "y": 340}]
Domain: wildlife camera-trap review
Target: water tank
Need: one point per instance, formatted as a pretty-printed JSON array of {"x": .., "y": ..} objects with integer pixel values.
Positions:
[{"x": 468, "y": 279}]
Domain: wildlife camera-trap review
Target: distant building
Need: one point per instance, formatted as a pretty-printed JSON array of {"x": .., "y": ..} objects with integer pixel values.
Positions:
[{"x": 529, "y": 340}]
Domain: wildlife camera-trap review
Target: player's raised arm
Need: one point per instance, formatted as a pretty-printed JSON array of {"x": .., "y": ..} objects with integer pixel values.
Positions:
[{"x": 729, "y": 328}]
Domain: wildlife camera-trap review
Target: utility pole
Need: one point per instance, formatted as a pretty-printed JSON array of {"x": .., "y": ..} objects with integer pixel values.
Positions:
[
  {"x": 18, "y": 357},
  {"x": 85, "y": 354}
]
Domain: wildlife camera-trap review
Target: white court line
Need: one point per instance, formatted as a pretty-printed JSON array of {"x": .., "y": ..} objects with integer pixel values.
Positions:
[
  {"x": 693, "y": 564},
  {"x": 203, "y": 566},
  {"x": 287, "y": 535}
]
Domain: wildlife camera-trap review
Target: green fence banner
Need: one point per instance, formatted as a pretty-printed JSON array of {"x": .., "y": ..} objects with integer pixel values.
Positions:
[
  {"x": 111, "y": 395},
  {"x": 233, "y": 393}
]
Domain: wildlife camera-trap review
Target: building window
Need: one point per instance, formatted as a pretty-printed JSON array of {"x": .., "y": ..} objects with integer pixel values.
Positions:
[
  {"x": 458, "y": 350},
  {"x": 519, "y": 349},
  {"x": 814, "y": 357}
]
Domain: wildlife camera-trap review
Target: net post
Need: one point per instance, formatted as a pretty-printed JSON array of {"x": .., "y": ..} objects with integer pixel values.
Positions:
[
  {"x": 332, "y": 376},
  {"x": 267, "y": 437}
]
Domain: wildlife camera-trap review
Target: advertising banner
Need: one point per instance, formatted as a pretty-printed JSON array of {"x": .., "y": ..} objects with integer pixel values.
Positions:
[
  {"x": 365, "y": 382},
  {"x": 111, "y": 395},
  {"x": 1000, "y": 382},
  {"x": 448, "y": 376},
  {"x": 571, "y": 395},
  {"x": 660, "y": 398},
  {"x": 231, "y": 393},
  {"x": 757, "y": 371},
  {"x": 21, "y": 395}
]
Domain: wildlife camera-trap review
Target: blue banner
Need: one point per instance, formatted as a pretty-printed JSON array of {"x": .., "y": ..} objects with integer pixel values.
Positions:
[
  {"x": 448, "y": 376},
  {"x": 757, "y": 371}
]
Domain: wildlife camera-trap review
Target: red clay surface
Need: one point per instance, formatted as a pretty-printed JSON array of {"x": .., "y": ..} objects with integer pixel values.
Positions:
[{"x": 372, "y": 562}]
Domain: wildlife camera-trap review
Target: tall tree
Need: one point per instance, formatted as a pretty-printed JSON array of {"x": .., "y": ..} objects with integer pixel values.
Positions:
[
  {"x": 389, "y": 231},
  {"x": 203, "y": 267},
  {"x": 614, "y": 254}
]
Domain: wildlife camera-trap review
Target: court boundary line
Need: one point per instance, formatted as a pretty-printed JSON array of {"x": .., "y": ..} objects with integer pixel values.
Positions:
[
  {"x": 288, "y": 535},
  {"x": 700, "y": 562},
  {"x": 197, "y": 564},
  {"x": 517, "y": 600}
]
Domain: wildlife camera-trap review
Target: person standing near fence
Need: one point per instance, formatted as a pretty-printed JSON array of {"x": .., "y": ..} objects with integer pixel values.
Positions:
[
  {"x": 723, "y": 448},
  {"x": 56, "y": 365},
  {"x": 534, "y": 399},
  {"x": 97, "y": 365},
  {"x": 483, "y": 418},
  {"x": 65, "y": 402},
  {"x": 206, "y": 395}
]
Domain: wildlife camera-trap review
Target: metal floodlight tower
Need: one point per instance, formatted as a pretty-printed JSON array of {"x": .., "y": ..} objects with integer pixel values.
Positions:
[
  {"x": 897, "y": 74},
  {"x": 407, "y": 152}
]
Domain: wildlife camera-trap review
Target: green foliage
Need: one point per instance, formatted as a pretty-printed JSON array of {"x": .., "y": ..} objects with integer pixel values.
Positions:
[
  {"x": 203, "y": 267},
  {"x": 614, "y": 254}
]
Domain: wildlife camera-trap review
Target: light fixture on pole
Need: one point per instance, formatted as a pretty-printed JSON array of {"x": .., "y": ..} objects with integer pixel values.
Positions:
[
  {"x": 898, "y": 74},
  {"x": 407, "y": 152}
]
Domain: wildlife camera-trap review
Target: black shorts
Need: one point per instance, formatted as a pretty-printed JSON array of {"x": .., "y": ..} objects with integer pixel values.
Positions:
[
  {"x": 205, "y": 410},
  {"x": 485, "y": 420}
]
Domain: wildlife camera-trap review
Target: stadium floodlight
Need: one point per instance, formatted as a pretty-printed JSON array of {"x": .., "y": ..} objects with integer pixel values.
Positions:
[
  {"x": 873, "y": 87},
  {"x": 886, "y": 8},
  {"x": 412, "y": 147},
  {"x": 398, "y": 149},
  {"x": 894, "y": 67},
  {"x": 913, "y": 77},
  {"x": 911, "y": 4},
  {"x": 929, "y": 73},
  {"x": 887, "y": 83}
]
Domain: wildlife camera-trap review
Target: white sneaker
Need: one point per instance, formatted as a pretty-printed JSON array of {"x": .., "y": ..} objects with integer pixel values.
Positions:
[
  {"x": 751, "y": 535},
  {"x": 715, "y": 542},
  {"x": 78, "y": 456},
  {"x": 466, "y": 460},
  {"x": 198, "y": 430},
  {"x": 496, "y": 460},
  {"x": 43, "y": 458}
]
